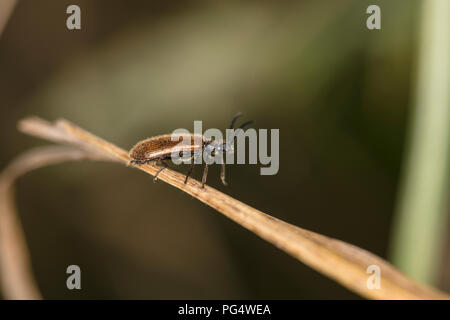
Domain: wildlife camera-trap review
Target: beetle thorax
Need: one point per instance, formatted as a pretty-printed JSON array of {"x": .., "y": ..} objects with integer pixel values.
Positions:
[{"x": 218, "y": 146}]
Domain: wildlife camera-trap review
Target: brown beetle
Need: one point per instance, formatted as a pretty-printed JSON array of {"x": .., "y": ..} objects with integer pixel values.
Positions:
[{"x": 161, "y": 148}]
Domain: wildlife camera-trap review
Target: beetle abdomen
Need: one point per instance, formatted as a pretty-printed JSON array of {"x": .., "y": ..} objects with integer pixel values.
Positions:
[{"x": 162, "y": 147}]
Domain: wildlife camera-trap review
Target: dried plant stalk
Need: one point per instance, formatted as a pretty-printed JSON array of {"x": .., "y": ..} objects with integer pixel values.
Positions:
[
  {"x": 16, "y": 279},
  {"x": 6, "y": 9},
  {"x": 343, "y": 262}
]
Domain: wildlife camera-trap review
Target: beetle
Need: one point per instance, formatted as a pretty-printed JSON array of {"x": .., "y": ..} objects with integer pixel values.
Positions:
[{"x": 163, "y": 147}]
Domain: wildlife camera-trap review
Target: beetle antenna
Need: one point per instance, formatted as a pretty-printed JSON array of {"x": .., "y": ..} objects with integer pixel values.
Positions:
[
  {"x": 242, "y": 127},
  {"x": 233, "y": 121},
  {"x": 246, "y": 124}
]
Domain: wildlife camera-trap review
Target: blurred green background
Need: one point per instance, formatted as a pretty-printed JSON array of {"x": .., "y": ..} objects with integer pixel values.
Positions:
[{"x": 339, "y": 93}]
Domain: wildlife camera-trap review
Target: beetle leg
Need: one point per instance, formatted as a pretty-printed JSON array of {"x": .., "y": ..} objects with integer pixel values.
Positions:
[
  {"x": 222, "y": 174},
  {"x": 191, "y": 167},
  {"x": 205, "y": 174},
  {"x": 160, "y": 170}
]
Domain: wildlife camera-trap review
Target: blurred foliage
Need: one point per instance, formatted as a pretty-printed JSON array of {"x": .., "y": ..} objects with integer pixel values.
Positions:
[
  {"x": 421, "y": 216},
  {"x": 339, "y": 94}
]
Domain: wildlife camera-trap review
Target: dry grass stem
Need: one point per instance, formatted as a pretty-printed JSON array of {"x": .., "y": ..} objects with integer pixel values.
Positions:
[
  {"x": 343, "y": 262},
  {"x": 6, "y": 9},
  {"x": 16, "y": 279}
]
